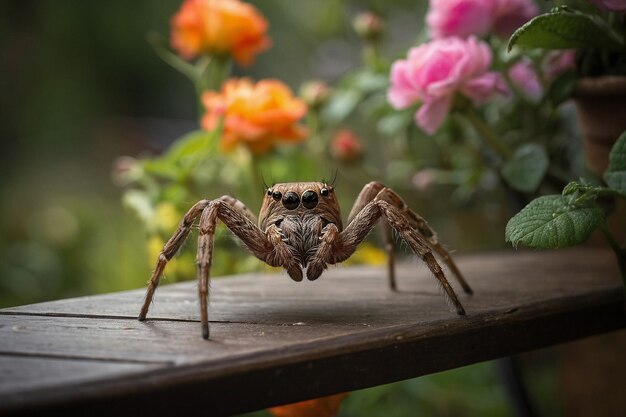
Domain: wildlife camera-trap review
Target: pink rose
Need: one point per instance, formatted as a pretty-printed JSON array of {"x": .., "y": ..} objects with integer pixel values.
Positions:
[
  {"x": 435, "y": 71},
  {"x": 511, "y": 14},
  {"x": 477, "y": 17},
  {"x": 610, "y": 5},
  {"x": 525, "y": 78},
  {"x": 460, "y": 17}
]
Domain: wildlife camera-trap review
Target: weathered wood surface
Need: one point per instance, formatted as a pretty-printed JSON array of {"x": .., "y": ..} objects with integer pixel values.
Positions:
[{"x": 275, "y": 341}]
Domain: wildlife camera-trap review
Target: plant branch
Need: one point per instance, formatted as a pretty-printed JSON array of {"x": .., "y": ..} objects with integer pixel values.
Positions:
[
  {"x": 159, "y": 44},
  {"x": 213, "y": 71},
  {"x": 620, "y": 253},
  {"x": 488, "y": 135}
]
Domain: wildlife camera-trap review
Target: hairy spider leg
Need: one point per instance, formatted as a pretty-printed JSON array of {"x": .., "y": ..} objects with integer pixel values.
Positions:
[
  {"x": 346, "y": 242},
  {"x": 367, "y": 194},
  {"x": 169, "y": 250},
  {"x": 237, "y": 218},
  {"x": 376, "y": 190}
]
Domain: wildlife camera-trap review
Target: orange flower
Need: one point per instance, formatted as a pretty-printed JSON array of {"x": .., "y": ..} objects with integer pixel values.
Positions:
[
  {"x": 219, "y": 27},
  {"x": 318, "y": 407},
  {"x": 255, "y": 115}
]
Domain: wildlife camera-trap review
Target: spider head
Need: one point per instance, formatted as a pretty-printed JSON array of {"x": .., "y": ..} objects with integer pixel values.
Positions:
[{"x": 299, "y": 199}]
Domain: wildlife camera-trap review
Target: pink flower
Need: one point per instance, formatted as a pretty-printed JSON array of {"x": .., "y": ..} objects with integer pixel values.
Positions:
[
  {"x": 346, "y": 146},
  {"x": 477, "y": 17},
  {"x": 435, "y": 71},
  {"x": 424, "y": 179},
  {"x": 556, "y": 63},
  {"x": 511, "y": 14},
  {"x": 525, "y": 78},
  {"x": 610, "y": 5},
  {"x": 460, "y": 17}
]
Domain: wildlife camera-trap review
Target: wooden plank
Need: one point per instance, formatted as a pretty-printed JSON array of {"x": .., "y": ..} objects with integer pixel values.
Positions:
[
  {"x": 151, "y": 342},
  {"x": 22, "y": 374},
  {"x": 275, "y": 341},
  {"x": 498, "y": 279}
]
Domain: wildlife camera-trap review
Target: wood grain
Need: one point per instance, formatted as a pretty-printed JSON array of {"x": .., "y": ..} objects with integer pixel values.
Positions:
[{"x": 275, "y": 341}]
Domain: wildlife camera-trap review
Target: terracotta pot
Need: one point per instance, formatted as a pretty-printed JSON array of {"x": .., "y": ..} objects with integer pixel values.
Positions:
[{"x": 601, "y": 108}]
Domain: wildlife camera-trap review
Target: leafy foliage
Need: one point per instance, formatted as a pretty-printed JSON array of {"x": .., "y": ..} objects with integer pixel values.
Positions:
[
  {"x": 600, "y": 41},
  {"x": 557, "y": 221},
  {"x": 563, "y": 28},
  {"x": 615, "y": 176},
  {"x": 526, "y": 169},
  {"x": 552, "y": 222},
  {"x": 560, "y": 90}
]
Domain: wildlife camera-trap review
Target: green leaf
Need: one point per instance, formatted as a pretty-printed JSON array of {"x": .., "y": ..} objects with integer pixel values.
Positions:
[
  {"x": 562, "y": 29},
  {"x": 561, "y": 88},
  {"x": 368, "y": 82},
  {"x": 581, "y": 194},
  {"x": 551, "y": 222},
  {"x": 341, "y": 104},
  {"x": 139, "y": 202},
  {"x": 615, "y": 175},
  {"x": 183, "y": 153},
  {"x": 395, "y": 122},
  {"x": 525, "y": 170},
  {"x": 189, "y": 144},
  {"x": 159, "y": 44}
]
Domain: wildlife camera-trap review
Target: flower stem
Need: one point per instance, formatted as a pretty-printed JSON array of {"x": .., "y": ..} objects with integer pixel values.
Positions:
[
  {"x": 371, "y": 56},
  {"x": 488, "y": 135},
  {"x": 258, "y": 185},
  {"x": 620, "y": 253},
  {"x": 213, "y": 71},
  {"x": 316, "y": 140}
]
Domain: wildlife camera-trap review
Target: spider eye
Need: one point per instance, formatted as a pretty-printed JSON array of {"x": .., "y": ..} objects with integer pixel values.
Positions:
[
  {"x": 269, "y": 192},
  {"x": 309, "y": 199},
  {"x": 324, "y": 192},
  {"x": 291, "y": 200},
  {"x": 276, "y": 195}
]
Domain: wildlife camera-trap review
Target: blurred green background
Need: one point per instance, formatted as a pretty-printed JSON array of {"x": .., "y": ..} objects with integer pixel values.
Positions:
[{"x": 81, "y": 86}]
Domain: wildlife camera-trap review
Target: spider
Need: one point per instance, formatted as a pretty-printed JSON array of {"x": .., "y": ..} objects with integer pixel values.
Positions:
[{"x": 299, "y": 228}]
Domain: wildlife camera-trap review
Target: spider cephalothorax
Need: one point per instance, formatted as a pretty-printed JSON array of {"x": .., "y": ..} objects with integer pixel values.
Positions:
[
  {"x": 299, "y": 214},
  {"x": 299, "y": 228}
]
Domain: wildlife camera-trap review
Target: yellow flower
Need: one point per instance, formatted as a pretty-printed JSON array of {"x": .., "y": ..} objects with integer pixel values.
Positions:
[
  {"x": 368, "y": 254},
  {"x": 223, "y": 27},
  {"x": 176, "y": 268},
  {"x": 256, "y": 115},
  {"x": 154, "y": 246},
  {"x": 166, "y": 217}
]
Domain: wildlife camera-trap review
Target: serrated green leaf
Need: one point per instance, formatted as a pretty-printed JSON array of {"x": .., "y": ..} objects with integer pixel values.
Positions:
[
  {"x": 550, "y": 222},
  {"x": 525, "y": 170},
  {"x": 563, "y": 30},
  {"x": 615, "y": 175}
]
